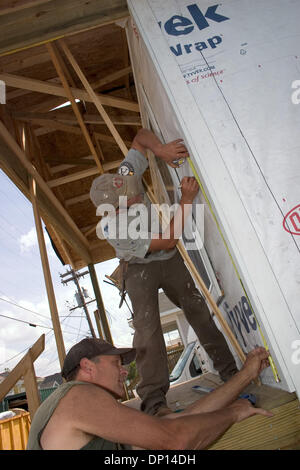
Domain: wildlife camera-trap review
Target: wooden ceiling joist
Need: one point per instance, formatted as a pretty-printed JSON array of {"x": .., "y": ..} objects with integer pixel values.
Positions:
[
  {"x": 40, "y": 86},
  {"x": 111, "y": 77},
  {"x": 67, "y": 118},
  {"x": 82, "y": 174},
  {"x": 88, "y": 160},
  {"x": 39, "y": 23}
]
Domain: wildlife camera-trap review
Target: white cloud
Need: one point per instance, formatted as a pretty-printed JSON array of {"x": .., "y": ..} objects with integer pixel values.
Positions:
[{"x": 28, "y": 241}]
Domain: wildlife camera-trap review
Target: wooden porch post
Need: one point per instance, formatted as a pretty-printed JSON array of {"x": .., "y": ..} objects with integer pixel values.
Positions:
[
  {"x": 100, "y": 305},
  {"x": 47, "y": 275}
]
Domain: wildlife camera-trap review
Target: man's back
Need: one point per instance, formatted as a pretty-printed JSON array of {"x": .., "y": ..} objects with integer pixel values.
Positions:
[{"x": 50, "y": 428}]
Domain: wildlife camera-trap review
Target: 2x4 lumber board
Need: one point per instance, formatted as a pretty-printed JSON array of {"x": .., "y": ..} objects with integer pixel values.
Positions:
[
  {"x": 111, "y": 77},
  {"x": 52, "y": 126},
  {"x": 64, "y": 118},
  {"x": 32, "y": 392},
  {"x": 48, "y": 88},
  {"x": 42, "y": 23},
  {"x": 100, "y": 304},
  {"x": 57, "y": 61},
  {"x": 82, "y": 174},
  {"x": 73, "y": 177},
  {"x": 94, "y": 97},
  {"x": 47, "y": 275},
  {"x": 262, "y": 433},
  {"x": 19, "y": 370},
  {"x": 82, "y": 243},
  {"x": 89, "y": 160}
]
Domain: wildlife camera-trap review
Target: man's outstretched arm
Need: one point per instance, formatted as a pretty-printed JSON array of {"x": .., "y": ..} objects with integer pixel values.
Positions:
[
  {"x": 95, "y": 412},
  {"x": 226, "y": 394},
  {"x": 174, "y": 150}
]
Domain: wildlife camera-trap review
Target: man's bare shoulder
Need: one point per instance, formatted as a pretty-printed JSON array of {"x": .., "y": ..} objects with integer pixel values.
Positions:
[
  {"x": 84, "y": 395},
  {"x": 66, "y": 428}
]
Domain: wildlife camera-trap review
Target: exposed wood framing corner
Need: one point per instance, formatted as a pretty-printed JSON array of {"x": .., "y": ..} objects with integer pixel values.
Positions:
[{"x": 94, "y": 97}]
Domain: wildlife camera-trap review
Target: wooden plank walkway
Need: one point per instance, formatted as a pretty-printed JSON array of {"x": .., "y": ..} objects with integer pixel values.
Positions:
[{"x": 282, "y": 431}]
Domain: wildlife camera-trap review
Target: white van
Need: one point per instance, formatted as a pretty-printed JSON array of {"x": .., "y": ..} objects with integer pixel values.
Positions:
[{"x": 193, "y": 361}]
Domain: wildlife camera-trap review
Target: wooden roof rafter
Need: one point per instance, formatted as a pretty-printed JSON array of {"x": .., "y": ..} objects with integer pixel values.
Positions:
[
  {"x": 59, "y": 65},
  {"x": 35, "y": 87}
]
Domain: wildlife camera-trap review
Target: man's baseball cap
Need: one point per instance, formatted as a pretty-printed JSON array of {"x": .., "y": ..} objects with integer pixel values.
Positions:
[
  {"x": 92, "y": 347},
  {"x": 107, "y": 188}
]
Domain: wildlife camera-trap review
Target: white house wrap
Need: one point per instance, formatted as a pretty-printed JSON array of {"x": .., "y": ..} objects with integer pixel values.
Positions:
[{"x": 226, "y": 78}]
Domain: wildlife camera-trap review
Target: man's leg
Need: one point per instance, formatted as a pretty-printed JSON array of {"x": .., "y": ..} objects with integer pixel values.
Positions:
[
  {"x": 142, "y": 284},
  {"x": 180, "y": 288}
]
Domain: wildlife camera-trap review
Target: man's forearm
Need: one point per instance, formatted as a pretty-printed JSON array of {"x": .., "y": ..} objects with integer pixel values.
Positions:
[
  {"x": 201, "y": 430},
  {"x": 222, "y": 396},
  {"x": 169, "y": 238},
  {"x": 148, "y": 140}
]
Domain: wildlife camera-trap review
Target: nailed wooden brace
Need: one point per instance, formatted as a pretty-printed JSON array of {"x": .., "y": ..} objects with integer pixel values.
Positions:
[
  {"x": 25, "y": 369},
  {"x": 57, "y": 61},
  {"x": 94, "y": 97}
]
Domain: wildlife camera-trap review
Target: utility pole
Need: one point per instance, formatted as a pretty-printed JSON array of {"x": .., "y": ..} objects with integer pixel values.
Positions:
[{"x": 74, "y": 276}]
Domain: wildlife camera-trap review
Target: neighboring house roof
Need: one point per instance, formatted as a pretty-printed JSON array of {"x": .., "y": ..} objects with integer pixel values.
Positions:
[{"x": 51, "y": 381}]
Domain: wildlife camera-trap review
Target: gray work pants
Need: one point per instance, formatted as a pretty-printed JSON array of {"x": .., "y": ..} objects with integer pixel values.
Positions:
[{"x": 142, "y": 284}]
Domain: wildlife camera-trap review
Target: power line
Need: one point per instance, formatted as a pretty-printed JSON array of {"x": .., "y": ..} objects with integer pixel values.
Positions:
[
  {"x": 27, "y": 322},
  {"x": 39, "y": 314},
  {"x": 27, "y": 309}
]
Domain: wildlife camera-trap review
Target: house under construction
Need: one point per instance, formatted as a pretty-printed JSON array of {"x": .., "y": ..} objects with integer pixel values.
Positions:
[{"x": 80, "y": 78}]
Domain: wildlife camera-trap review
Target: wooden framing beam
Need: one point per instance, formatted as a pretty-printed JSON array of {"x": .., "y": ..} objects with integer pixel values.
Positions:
[
  {"x": 25, "y": 369},
  {"x": 51, "y": 126},
  {"x": 94, "y": 97},
  {"x": 100, "y": 304},
  {"x": 57, "y": 61},
  {"x": 40, "y": 23},
  {"x": 48, "y": 88},
  {"x": 47, "y": 276},
  {"x": 89, "y": 160},
  {"x": 73, "y": 177},
  {"x": 111, "y": 77},
  {"x": 82, "y": 174},
  {"x": 67, "y": 119}
]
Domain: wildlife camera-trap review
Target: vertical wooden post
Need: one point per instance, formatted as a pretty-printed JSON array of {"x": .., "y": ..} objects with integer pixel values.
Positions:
[
  {"x": 100, "y": 305},
  {"x": 98, "y": 323},
  {"x": 32, "y": 392},
  {"x": 47, "y": 275}
]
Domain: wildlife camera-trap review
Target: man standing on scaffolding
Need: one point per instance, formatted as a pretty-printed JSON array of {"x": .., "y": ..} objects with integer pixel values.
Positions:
[{"x": 153, "y": 262}]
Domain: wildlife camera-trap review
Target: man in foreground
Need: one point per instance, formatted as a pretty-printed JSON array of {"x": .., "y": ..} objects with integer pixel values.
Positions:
[{"x": 84, "y": 413}]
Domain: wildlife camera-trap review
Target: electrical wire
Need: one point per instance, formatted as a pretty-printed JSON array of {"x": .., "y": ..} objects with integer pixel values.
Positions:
[
  {"x": 27, "y": 322},
  {"x": 27, "y": 309}
]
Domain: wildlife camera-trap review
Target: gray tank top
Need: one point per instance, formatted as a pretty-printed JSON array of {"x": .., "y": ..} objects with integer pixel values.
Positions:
[{"x": 46, "y": 410}]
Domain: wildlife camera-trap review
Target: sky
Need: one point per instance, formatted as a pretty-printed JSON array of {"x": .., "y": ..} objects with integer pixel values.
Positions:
[{"x": 23, "y": 293}]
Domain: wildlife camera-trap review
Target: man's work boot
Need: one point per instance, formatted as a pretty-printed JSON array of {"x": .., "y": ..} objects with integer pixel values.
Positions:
[{"x": 162, "y": 411}]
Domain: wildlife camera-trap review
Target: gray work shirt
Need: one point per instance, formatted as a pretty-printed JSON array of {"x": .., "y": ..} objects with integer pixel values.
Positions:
[{"x": 127, "y": 231}]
